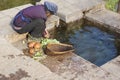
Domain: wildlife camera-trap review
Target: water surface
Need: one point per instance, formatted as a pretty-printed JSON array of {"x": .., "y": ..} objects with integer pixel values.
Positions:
[{"x": 90, "y": 43}]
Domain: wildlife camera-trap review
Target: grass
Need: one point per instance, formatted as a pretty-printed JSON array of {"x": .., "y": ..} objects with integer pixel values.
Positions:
[
  {"x": 111, "y": 4},
  {"x": 5, "y": 4}
]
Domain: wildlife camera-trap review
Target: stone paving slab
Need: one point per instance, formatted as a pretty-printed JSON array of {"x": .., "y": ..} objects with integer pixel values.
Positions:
[
  {"x": 6, "y": 20},
  {"x": 7, "y": 32},
  {"x": 23, "y": 6},
  {"x": 70, "y": 10},
  {"x": 66, "y": 11},
  {"x": 13, "y": 11},
  {"x": 2, "y": 15},
  {"x": 85, "y": 5},
  {"x": 109, "y": 19},
  {"x": 16, "y": 66},
  {"x": 113, "y": 67},
  {"x": 73, "y": 67},
  {"x": 10, "y": 12}
]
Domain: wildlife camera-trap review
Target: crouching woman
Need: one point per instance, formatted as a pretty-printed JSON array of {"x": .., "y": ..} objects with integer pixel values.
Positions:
[{"x": 32, "y": 19}]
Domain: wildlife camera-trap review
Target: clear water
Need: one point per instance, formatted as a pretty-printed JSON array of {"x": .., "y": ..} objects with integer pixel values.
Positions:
[{"x": 90, "y": 43}]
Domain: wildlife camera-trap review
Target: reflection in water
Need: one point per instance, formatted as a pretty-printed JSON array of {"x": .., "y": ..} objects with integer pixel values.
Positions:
[{"x": 90, "y": 43}]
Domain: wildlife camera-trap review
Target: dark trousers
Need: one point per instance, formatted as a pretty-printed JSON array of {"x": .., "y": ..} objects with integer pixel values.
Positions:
[{"x": 36, "y": 28}]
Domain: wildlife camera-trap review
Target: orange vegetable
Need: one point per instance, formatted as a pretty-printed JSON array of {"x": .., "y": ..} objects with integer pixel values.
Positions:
[
  {"x": 32, "y": 51},
  {"x": 37, "y": 45},
  {"x": 31, "y": 44}
]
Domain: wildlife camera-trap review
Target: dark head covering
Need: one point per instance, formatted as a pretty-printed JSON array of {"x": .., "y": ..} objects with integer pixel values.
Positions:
[{"x": 50, "y": 6}]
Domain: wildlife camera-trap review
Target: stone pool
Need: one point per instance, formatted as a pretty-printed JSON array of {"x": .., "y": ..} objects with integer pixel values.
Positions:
[{"x": 90, "y": 42}]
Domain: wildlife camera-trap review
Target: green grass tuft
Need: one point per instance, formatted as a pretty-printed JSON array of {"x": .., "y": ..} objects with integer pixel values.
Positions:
[
  {"x": 111, "y": 4},
  {"x": 5, "y": 4}
]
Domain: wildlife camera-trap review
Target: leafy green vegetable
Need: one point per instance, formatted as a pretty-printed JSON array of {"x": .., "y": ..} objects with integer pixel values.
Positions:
[
  {"x": 40, "y": 54},
  {"x": 44, "y": 42}
]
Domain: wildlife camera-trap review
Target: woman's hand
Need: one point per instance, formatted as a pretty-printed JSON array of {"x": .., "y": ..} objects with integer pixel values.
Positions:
[{"x": 46, "y": 34}]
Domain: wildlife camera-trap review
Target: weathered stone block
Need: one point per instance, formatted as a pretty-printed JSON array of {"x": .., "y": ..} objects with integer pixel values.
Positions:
[
  {"x": 5, "y": 21},
  {"x": 85, "y": 5},
  {"x": 113, "y": 67},
  {"x": 10, "y": 12},
  {"x": 70, "y": 10},
  {"x": 66, "y": 11},
  {"x": 7, "y": 32},
  {"x": 23, "y": 6},
  {"x": 15, "y": 63},
  {"x": 109, "y": 19},
  {"x": 2, "y": 15},
  {"x": 10, "y": 35}
]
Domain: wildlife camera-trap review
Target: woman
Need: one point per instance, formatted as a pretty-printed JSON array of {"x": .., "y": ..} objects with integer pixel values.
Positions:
[{"x": 32, "y": 19}]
